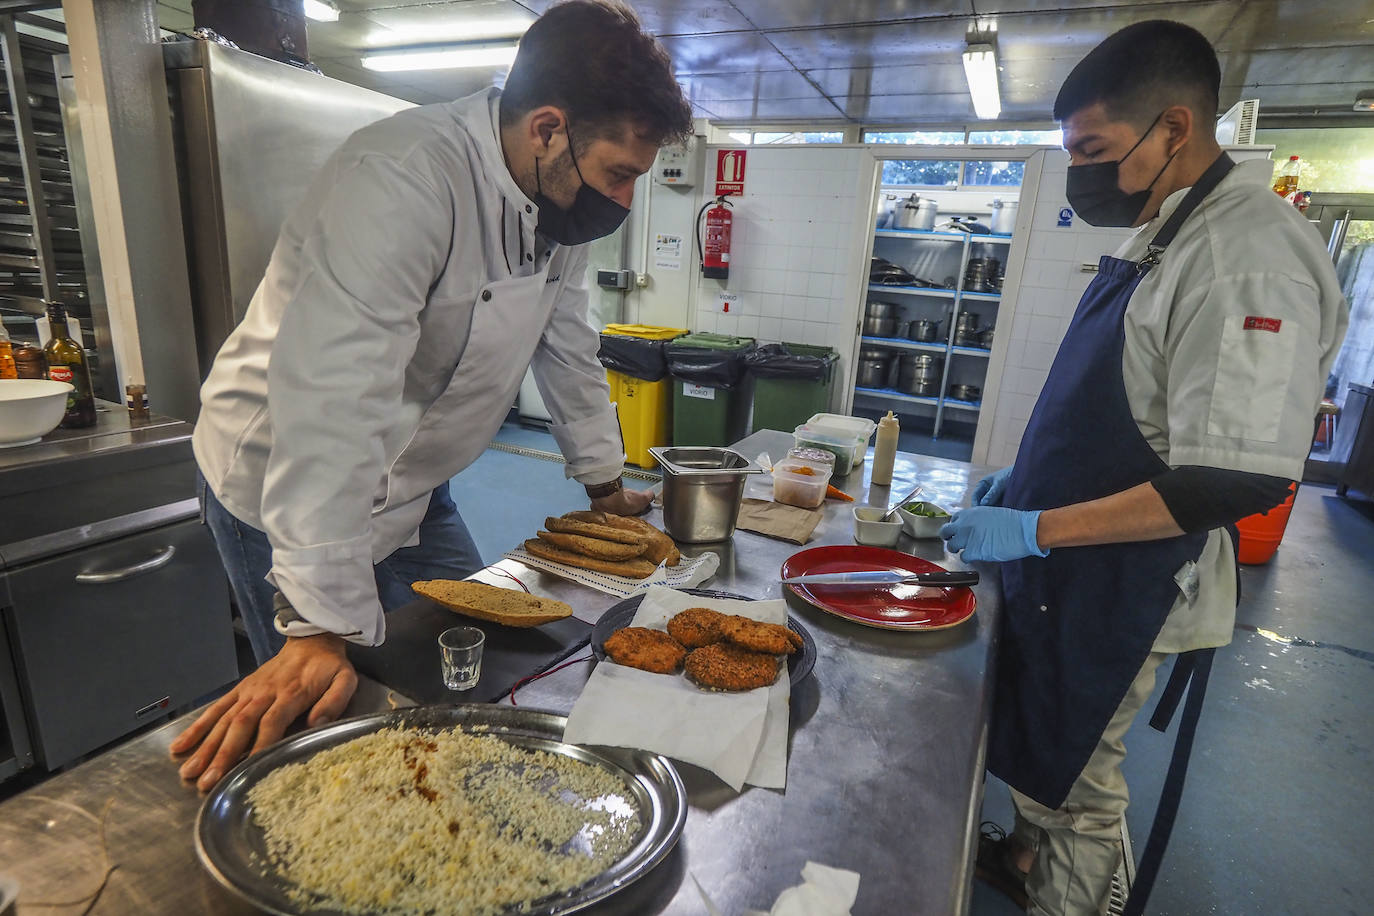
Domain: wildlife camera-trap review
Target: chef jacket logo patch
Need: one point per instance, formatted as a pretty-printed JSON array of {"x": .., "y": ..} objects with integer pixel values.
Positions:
[{"x": 1254, "y": 323}]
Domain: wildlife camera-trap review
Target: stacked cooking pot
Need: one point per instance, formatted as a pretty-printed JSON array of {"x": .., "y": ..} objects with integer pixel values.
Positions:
[
  {"x": 983, "y": 275},
  {"x": 920, "y": 374},
  {"x": 880, "y": 319},
  {"x": 874, "y": 365}
]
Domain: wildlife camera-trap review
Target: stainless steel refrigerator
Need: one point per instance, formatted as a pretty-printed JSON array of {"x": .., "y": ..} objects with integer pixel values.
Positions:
[{"x": 250, "y": 133}]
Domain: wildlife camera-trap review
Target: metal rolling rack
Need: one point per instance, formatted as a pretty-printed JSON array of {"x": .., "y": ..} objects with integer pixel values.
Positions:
[{"x": 40, "y": 240}]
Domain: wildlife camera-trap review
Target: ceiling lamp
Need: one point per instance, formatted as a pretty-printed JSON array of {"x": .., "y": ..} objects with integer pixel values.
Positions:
[
  {"x": 321, "y": 10},
  {"x": 441, "y": 57},
  {"x": 980, "y": 69}
]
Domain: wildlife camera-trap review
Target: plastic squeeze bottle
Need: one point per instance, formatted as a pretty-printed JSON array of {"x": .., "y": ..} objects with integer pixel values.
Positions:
[{"x": 885, "y": 450}]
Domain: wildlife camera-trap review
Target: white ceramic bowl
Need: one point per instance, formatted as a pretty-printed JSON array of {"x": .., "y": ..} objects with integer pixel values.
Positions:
[
  {"x": 871, "y": 532},
  {"x": 30, "y": 408},
  {"x": 923, "y": 526}
]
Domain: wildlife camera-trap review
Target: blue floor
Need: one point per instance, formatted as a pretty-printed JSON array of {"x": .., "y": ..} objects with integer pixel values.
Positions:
[
  {"x": 1280, "y": 789},
  {"x": 527, "y": 490}
]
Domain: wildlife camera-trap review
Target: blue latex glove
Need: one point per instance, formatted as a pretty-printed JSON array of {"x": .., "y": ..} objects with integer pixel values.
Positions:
[
  {"x": 990, "y": 533},
  {"x": 990, "y": 489}
]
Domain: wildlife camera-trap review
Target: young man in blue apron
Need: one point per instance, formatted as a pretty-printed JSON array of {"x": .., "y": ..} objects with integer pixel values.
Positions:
[
  {"x": 437, "y": 254},
  {"x": 1182, "y": 399}
]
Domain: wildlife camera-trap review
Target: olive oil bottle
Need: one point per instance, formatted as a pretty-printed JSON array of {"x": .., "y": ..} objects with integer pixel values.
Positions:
[{"x": 67, "y": 363}]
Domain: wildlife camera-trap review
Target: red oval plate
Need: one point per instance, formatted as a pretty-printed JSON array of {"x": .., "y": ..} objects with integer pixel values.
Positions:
[{"x": 895, "y": 607}]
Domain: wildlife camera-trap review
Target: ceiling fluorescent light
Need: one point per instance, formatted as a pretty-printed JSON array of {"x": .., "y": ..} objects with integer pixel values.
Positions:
[
  {"x": 980, "y": 68},
  {"x": 321, "y": 11},
  {"x": 441, "y": 58}
]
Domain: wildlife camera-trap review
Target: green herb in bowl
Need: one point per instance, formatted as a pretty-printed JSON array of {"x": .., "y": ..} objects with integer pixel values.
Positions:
[{"x": 926, "y": 510}]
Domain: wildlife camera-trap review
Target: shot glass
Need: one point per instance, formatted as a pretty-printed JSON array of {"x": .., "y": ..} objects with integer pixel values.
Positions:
[{"x": 460, "y": 656}]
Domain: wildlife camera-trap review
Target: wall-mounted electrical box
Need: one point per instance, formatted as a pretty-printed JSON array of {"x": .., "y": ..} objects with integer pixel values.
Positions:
[{"x": 679, "y": 164}]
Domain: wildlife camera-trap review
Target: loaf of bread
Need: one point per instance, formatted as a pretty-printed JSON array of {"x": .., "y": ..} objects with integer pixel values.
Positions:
[
  {"x": 487, "y": 602},
  {"x": 634, "y": 569},
  {"x": 594, "y": 547}
]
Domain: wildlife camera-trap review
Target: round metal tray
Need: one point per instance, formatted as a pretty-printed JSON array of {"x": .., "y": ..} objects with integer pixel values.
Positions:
[
  {"x": 799, "y": 664},
  {"x": 232, "y": 848}
]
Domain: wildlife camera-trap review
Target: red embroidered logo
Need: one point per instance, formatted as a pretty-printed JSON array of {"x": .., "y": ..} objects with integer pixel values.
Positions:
[{"x": 1254, "y": 323}]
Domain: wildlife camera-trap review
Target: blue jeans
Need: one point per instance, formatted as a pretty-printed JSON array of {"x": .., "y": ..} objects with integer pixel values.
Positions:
[{"x": 446, "y": 551}]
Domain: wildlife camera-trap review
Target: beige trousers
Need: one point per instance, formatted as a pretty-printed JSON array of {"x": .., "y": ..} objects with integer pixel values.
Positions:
[{"x": 1078, "y": 846}]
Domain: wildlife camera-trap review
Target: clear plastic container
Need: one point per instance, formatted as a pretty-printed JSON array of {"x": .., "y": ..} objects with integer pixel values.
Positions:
[
  {"x": 800, "y": 482},
  {"x": 817, "y": 456},
  {"x": 839, "y": 444},
  {"x": 860, "y": 429}
]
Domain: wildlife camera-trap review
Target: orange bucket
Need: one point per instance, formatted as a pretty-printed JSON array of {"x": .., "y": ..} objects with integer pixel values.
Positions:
[{"x": 1260, "y": 534}]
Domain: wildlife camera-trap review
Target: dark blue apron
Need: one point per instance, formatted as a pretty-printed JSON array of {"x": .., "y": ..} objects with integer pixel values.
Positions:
[{"x": 1080, "y": 622}]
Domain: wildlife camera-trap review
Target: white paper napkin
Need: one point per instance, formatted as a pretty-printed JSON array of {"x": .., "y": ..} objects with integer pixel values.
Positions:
[
  {"x": 741, "y": 737},
  {"x": 824, "y": 891},
  {"x": 688, "y": 573}
]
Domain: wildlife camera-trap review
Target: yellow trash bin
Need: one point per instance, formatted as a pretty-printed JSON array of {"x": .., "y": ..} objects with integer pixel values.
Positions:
[{"x": 640, "y": 386}]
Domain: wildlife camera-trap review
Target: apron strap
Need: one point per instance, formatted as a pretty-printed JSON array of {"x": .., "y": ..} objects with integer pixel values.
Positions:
[
  {"x": 1200, "y": 189},
  {"x": 1192, "y": 669}
]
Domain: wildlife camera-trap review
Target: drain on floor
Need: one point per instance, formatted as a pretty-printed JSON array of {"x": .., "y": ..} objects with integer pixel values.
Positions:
[{"x": 632, "y": 473}]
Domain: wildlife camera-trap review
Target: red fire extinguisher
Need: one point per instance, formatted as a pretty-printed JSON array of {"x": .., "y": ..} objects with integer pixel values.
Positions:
[{"x": 715, "y": 251}]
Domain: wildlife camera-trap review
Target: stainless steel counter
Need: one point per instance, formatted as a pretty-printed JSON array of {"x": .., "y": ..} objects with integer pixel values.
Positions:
[{"x": 885, "y": 771}]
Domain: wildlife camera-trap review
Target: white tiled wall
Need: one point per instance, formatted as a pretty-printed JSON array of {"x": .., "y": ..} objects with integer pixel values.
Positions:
[
  {"x": 1043, "y": 290},
  {"x": 796, "y": 254}
]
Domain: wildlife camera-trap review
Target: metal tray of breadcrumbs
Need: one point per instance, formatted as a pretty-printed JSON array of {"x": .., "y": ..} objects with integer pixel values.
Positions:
[{"x": 402, "y": 813}]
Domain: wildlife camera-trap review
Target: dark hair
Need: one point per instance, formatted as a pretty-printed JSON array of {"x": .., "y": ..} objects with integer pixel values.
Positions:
[
  {"x": 1143, "y": 69},
  {"x": 592, "y": 59}
]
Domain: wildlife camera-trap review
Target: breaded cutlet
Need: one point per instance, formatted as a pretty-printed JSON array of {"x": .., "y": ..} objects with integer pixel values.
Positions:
[
  {"x": 725, "y": 666},
  {"x": 696, "y": 627},
  {"x": 648, "y": 650},
  {"x": 756, "y": 636}
]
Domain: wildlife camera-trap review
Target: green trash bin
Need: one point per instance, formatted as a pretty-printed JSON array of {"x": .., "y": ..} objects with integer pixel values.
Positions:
[
  {"x": 710, "y": 388},
  {"x": 792, "y": 383}
]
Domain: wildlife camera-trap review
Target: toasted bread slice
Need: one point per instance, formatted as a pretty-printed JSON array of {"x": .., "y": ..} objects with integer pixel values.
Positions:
[
  {"x": 634, "y": 569},
  {"x": 661, "y": 547},
  {"x": 592, "y": 530},
  {"x": 586, "y": 515},
  {"x": 487, "y": 602},
  {"x": 593, "y": 547}
]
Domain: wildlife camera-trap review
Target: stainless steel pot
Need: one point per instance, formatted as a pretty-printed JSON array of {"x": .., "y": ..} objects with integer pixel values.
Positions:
[
  {"x": 702, "y": 491},
  {"x": 985, "y": 338},
  {"x": 906, "y": 214},
  {"x": 966, "y": 330},
  {"x": 926, "y": 211},
  {"x": 867, "y": 352},
  {"x": 1003, "y": 216},
  {"x": 879, "y": 327},
  {"x": 920, "y": 373},
  {"x": 872, "y": 372},
  {"x": 965, "y": 392},
  {"x": 923, "y": 331},
  {"x": 880, "y": 310}
]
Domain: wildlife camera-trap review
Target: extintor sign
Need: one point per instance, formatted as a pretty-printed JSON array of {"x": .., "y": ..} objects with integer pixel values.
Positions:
[{"x": 730, "y": 172}]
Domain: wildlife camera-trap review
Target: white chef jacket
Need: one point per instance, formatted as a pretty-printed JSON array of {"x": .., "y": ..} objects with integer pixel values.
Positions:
[
  {"x": 1228, "y": 343},
  {"x": 405, "y": 297}
]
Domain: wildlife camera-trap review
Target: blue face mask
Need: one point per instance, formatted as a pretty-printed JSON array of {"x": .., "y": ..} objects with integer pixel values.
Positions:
[
  {"x": 592, "y": 215},
  {"x": 1094, "y": 191}
]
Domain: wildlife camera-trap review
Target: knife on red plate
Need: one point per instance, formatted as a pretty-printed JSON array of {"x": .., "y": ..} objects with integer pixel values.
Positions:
[{"x": 884, "y": 577}]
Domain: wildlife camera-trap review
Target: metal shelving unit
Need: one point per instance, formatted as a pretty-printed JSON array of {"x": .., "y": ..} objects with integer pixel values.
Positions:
[
  {"x": 40, "y": 241},
  {"x": 958, "y": 296}
]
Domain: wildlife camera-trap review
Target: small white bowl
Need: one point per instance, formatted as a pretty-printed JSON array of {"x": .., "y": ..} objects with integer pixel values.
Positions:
[
  {"x": 923, "y": 526},
  {"x": 871, "y": 532},
  {"x": 30, "y": 408}
]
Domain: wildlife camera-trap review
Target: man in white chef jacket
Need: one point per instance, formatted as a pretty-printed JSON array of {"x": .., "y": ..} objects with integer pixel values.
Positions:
[
  {"x": 436, "y": 255},
  {"x": 1182, "y": 399}
]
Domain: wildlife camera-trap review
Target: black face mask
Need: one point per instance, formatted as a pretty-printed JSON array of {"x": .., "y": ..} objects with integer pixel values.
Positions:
[
  {"x": 592, "y": 215},
  {"x": 1095, "y": 193}
]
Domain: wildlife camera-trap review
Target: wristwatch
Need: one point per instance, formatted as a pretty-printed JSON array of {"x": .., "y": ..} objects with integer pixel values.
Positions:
[{"x": 610, "y": 488}]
